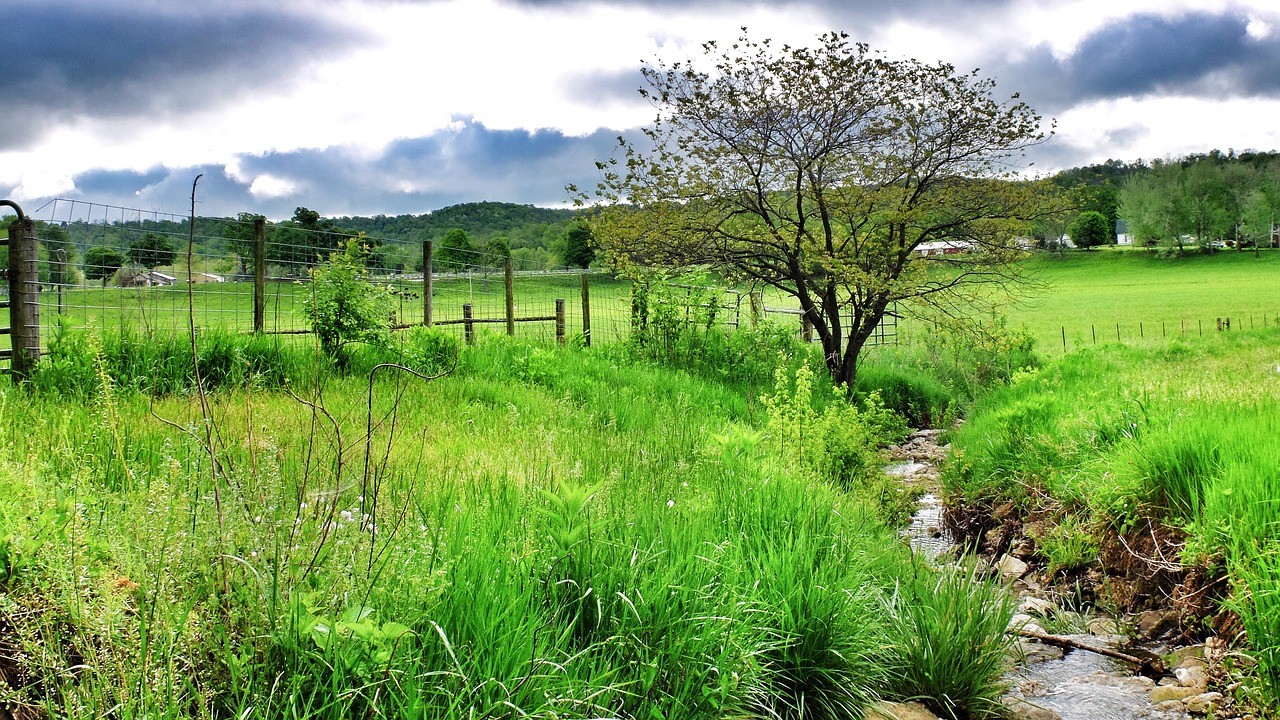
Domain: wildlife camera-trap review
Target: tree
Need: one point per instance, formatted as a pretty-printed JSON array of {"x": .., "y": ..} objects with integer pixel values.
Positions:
[
  {"x": 819, "y": 172},
  {"x": 305, "y": 239},
  {"x": 456, "y": 251},
  {"x": 576, "y": 249},
  {"x": 60, "y": 252},
  {"x": 101, "y": 262},
  {"x": 1091, "y": 229},
  {"x": 1262, "y": 208},
  {"x": 240, "y": 240},
  {"x": 498, "y": 250},
  {"x": 152, "y": 251},
  {"x": 1147, "y": 207}
]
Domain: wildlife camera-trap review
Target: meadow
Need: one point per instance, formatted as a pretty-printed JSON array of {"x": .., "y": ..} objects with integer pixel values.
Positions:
[
  {"x": 542, "y": 532},
  {"x": 690, "y": 523},
  {"x": 1150, "y": 298}
]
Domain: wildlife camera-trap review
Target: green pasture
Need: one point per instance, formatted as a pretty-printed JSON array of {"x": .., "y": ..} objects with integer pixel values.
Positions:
[
  {"x": 229, "y": 305},
  {"x": 1087, "y": 294},
  {"x": 1090, "y": 297}
]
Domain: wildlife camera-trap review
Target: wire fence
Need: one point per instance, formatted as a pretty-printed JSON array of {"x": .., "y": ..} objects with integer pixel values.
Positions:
[
  {"x": 114, "y": 268},
  {"x": 132, "y": 271}
]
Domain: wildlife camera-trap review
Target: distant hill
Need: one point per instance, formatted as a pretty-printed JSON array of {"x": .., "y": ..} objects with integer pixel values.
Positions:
[
  {"x": 533, "y": 236},
  {"x": 481, "y": 219}
]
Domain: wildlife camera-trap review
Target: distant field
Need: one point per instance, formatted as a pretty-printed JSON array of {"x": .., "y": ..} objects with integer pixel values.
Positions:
[
  {"x": 1084, "y": 295},
  {"x": 1087, "y": 294}
]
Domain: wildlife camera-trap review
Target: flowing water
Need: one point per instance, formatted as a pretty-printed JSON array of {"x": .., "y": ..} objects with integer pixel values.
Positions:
[{"x": 1074, "y": 685}]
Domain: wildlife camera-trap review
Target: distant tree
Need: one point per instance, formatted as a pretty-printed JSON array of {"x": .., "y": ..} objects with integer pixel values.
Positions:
[
  {"x": 498, "y": 249},
  {"x": 1150, "y": 203},
  {"x": 1204, "y": 204},
  {"x": 101, "y": 262},
  {"x": 239, "y": 235},
  {"x": 576, "y": 250},
  {"x": 1262, "y": 207},
  {"x": 456, "y": 251},
  {"x": 1090, "y": 229},
  {"x": 59, "y": 249},
  {"x": 306, "y": 239},
  {"x": 152, "y": 251}
]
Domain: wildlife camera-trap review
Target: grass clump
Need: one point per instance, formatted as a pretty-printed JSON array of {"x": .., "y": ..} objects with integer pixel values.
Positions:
[{"x": 952, "y": 649}]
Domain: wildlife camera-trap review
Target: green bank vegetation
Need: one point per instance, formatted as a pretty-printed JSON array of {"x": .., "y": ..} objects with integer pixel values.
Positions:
[{"x": 1156, "y": 466}]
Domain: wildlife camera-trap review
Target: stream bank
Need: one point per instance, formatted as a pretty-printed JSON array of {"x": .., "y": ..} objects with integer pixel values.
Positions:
[{"x": 1054, "y": 683}]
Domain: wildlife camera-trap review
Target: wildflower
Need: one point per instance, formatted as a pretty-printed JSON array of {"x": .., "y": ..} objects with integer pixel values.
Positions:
[{"x": 671, "y": 503}]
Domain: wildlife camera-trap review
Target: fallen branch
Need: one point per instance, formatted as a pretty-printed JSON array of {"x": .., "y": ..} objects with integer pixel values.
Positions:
[{"x": 1147, "y": 662}]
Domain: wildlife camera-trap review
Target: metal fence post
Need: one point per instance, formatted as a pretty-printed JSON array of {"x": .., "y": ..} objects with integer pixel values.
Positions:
[{"x": 24, "y": 297}]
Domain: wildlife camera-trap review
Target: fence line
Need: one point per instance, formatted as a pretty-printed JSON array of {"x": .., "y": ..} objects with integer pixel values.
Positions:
[{"x": 107, "y": 266}]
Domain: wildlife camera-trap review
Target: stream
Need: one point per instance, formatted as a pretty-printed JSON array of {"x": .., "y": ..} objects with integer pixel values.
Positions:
[{"x": 1050, "y": 683}]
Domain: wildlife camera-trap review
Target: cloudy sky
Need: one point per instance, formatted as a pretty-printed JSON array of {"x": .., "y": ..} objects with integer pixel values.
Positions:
[{"x": 360, "y": 107}]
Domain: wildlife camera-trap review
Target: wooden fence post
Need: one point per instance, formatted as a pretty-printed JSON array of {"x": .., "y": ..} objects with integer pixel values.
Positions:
[
  {"x": 24, "y": 297},
  {"x": 468, "y": 324},
  {"x": 511, "y": 296},
  {"x": 560, "y": 320},
  {"x": 259, "y": 273},
  {"x": 586, "y": 310},
  {"x": 757, "y": 308},
  {"x": 427, "y": 301},
  {"x": 806, "y": 328}
]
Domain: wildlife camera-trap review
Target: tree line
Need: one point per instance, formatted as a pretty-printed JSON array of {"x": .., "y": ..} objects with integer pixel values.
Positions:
[
  {"x": 1203, "y": 201},
  {"x": 467, "y": 236}
]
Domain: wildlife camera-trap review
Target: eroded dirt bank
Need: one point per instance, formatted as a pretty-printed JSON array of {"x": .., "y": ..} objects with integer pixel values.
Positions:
[{"x": 1132, "y": 599}]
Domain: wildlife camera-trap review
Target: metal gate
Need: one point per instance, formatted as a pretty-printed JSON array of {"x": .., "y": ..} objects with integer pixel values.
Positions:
[{"x": 24, "y": 296}]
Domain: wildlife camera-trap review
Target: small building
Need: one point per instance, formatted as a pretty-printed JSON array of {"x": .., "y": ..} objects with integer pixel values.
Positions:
[
  {"x": 1123, "y": 236},
  {"x": 204, "y": 277},
  {"x": 943, "y": 247},
  {"x": 160, "y": 279}
]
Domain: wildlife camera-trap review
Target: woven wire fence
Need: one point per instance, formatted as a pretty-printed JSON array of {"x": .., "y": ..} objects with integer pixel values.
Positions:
[
  {"x": 153, "y": 273},
  {"x": 150, "y": 272}
]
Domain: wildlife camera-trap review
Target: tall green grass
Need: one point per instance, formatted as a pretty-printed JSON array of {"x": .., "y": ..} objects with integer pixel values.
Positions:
[
  {"x": 547, "y": 532},
  {"x": 1113, "y": 440}
]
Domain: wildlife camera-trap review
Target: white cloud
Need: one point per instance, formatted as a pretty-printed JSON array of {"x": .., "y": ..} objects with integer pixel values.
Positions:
[
  {"x": 1129, "y": 129},
  {"x": 268, "y": 187},
  {"x": 36, "y": 185}
]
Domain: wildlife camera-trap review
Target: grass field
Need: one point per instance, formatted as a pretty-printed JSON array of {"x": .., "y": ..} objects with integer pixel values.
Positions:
[
  {"x": 1088, "y": 297},
  {"x": 1149, "y": 297}
]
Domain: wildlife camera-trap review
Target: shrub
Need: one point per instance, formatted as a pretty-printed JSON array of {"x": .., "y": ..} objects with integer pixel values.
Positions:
[
  {"x": 428, "y": 350},
  {"x": 838, "y": 444},
  {"x": 343, "y": 305}
]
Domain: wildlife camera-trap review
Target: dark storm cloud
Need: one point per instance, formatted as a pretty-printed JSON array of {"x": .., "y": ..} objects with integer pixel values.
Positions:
[
  {"x": 470, "y": 163},
  {"x": 64, "y": 59},
  {"x": 1199, "y": 54}
]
